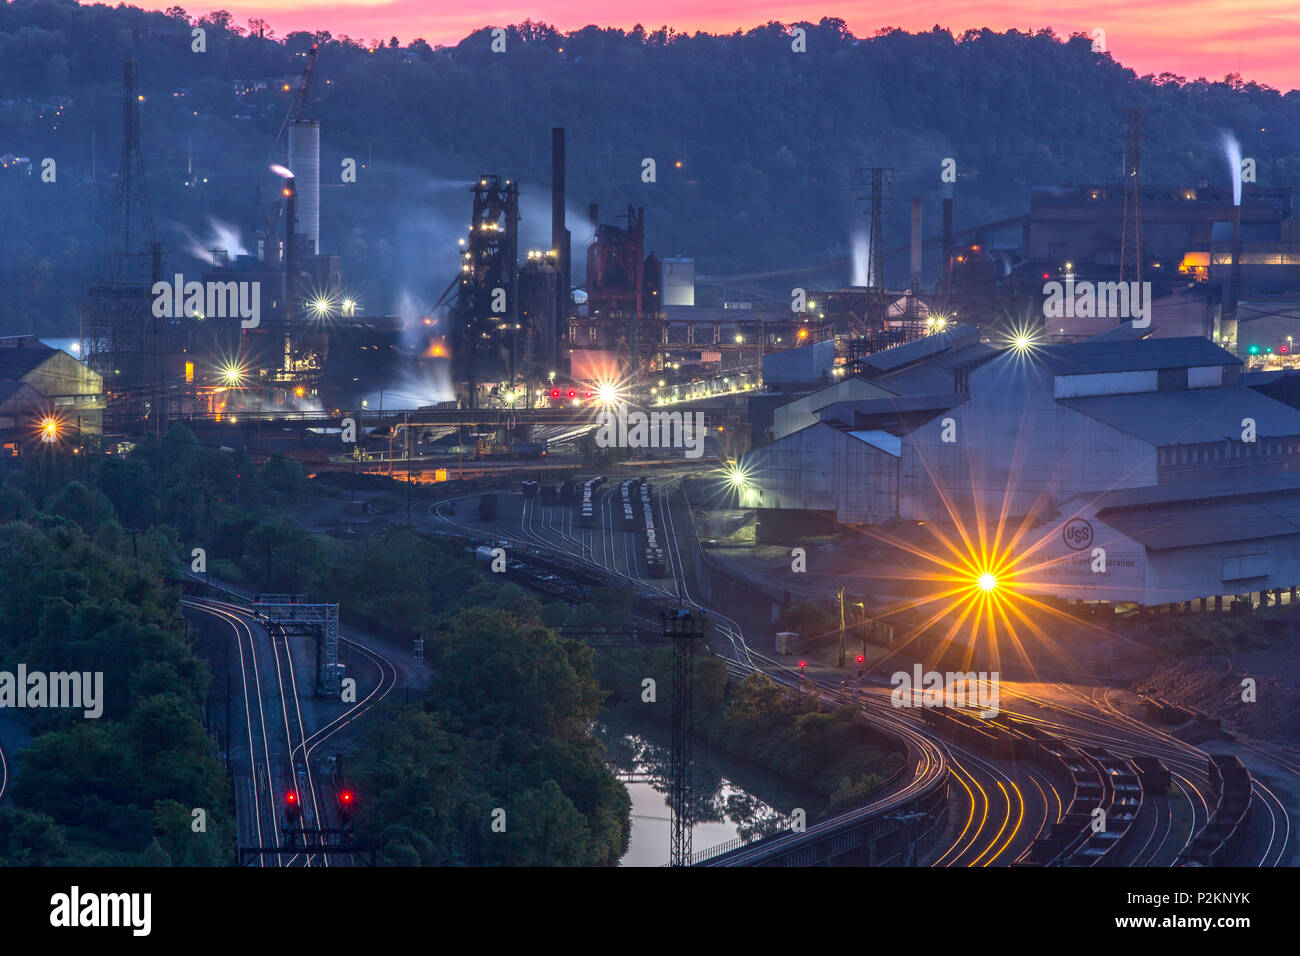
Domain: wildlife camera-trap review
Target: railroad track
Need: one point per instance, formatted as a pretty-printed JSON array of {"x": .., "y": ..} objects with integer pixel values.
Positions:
[{"x": 280, "y": 745}]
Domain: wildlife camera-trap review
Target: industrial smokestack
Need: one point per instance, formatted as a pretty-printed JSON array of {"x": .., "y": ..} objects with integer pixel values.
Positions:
[
  {"x": 1236, "y": 258},
  {"x": 559, "y": 241},
  {"x": 916, "y": 245},
  {"x": 304, "y": 160},
  {"x": 290, "y": 192},
  {"x": 593, "y": 213}
]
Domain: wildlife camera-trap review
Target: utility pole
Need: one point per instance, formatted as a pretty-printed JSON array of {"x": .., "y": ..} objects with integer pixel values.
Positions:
[
  {"x": 1132, "y": 195},
  {"x": 841, "y": 625}
]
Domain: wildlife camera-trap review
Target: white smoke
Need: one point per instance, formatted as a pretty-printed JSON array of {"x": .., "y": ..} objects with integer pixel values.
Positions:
[
  {"x": 1232, "y": 150},
  {"x": 221, "y": 235},
  {"x": 427, "y": 385},
  {"x": 860, "y": 246}
]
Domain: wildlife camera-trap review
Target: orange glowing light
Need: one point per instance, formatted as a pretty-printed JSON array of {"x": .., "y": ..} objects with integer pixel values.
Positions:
[{"x": 972, "y": 579}]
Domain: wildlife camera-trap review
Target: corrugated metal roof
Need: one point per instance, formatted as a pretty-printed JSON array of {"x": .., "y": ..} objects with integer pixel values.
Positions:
[
  {"x": 1191, "y": 492},
  {"x": 1183, "y": 525},
  {"x": 1192, "y": 416},
  {"x": 1091, "y": 356},
  {"x": 955, "y": 336},
  {"x": 859, "y": 414},
  {"x": 1124, "y": 332},
  {"x": 924, "y": 379},
  {"x": 17, "y": 362}
]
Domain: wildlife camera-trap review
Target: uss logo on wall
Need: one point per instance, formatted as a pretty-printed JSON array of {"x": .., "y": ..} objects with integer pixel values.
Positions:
[{"x": 1077, "y": 534}]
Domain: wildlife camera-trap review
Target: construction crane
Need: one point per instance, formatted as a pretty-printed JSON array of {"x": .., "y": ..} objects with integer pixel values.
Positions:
[
  {"x": 304, "y": 85},
  {"x": 299, "y": 105},
  {"x": 266, "y": 221}
]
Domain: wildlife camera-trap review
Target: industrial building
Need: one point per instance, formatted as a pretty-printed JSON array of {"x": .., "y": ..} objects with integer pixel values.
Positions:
[
  {"x": 41, "y": 382},
  {"x": 1150, "y": 448}
]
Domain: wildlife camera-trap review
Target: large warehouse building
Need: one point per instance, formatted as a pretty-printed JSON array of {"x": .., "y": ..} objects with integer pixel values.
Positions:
[{"x": 1147, "y": 449}]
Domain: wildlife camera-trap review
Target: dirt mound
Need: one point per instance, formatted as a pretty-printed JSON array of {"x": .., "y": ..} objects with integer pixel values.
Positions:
[{"x": 1214, "y": 685}]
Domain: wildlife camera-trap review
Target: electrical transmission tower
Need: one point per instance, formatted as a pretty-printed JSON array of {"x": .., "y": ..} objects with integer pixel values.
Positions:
[
  {"x": 122, "y": 339},
  {"x": 684, "y": 629},
  {"x": 876, "y": 179},
  {"x": 1130, "y": 252}
]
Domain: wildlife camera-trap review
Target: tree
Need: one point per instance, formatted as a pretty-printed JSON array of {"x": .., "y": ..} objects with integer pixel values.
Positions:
[{"x": 89, "y": 509}]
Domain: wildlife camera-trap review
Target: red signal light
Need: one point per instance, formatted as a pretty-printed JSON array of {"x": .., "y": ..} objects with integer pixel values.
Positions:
[
  {"x": 555, "y": 393},
  {"x": 1284, "y": 349},
  {"x": 802, "y": 665},
  {"x": 346, "y": 796},
  {"x": 1046, "y": 276},
  {"x": 291, "y": 798},
  {"x": 573, "y": 393},
  {"x": 861, "y": 658}
]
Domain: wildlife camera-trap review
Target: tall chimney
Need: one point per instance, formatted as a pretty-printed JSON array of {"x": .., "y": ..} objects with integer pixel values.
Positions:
[
  {"x": 290, "y": 241},
  {"x": 947, "y": 241},
  {"x": 304, "y": 160},
  {"x": 559, "y": 243},
  {"x": 1236, "y": 258},
  {"x": 593, "y": 213},
  {"x": 916, "y": 245}
]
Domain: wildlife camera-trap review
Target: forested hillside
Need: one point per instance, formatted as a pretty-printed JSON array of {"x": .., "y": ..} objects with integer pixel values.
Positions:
[{"x": 769, "y": 140}]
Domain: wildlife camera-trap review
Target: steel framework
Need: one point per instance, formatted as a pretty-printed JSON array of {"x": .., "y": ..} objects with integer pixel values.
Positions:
[
  {"x": 684, "y": 629},
  {"x": 297, "y": 618}
]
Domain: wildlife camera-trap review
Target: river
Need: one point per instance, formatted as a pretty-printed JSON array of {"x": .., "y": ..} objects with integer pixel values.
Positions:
[{"x": 732, "y": 797}]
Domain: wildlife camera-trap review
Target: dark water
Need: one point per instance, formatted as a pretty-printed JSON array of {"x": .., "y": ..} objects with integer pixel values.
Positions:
[{"x": 732, "y": 798}]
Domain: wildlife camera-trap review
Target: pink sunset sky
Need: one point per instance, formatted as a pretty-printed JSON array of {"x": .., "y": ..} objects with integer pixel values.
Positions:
[{"x": 1210, "y": 38}]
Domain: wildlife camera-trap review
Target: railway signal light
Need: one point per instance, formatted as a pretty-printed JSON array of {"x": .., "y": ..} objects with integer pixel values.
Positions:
[
  {"x": 803, "y": 665},
  {"x": 292, "y": 810},
  {"x": 555, "y": 393},
  {"x": 861, "y": 658}
]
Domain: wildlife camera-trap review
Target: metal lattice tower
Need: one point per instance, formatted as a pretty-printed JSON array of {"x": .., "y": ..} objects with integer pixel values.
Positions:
[
  {"x": 1132, "y": 197},
  {"x": 682, "y": 628},
  {"x": 132, "y": 224},
  {"x": 122, "y": 340},
  {"x": 876, "y": 178}
]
